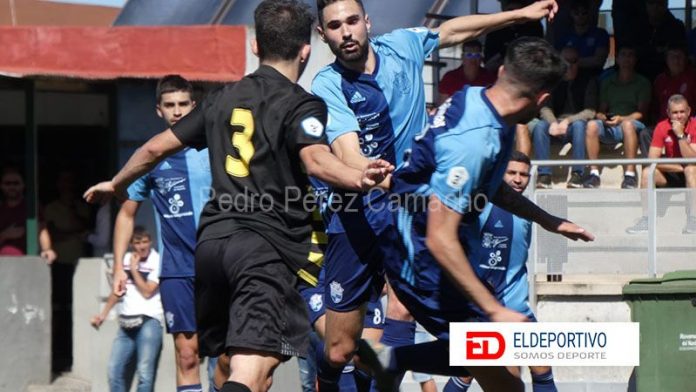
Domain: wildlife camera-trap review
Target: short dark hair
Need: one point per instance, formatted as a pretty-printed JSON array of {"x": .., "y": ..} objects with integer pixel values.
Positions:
[
  {"x": 474, "y": 43},
  {"x": 282, "y": 28},
  {"x": 533, "y": 65},
  {"x": 677, "y": 46},
  {"x": 519, "y": 156},
  {"x": 140, "y": 232},
  {"x": 321, "y": 4},
  {"x": 172, "y": 83},
  {"x": 627, "y": 46}
]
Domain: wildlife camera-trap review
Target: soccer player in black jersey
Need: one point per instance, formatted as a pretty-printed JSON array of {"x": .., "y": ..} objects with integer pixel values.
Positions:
[{"x": 255, "y": 236}]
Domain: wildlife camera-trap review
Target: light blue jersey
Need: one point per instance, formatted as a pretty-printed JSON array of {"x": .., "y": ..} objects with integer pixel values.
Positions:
[
  {"x": 179, "y": 188},
  {"x": 461, "y": 159},
  {"x": 498, "y": 244},
  {"x": 386, "y": 108}
]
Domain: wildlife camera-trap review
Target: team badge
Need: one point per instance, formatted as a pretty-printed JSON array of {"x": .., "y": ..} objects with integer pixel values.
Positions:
[
  {"x": 457, "y": 177},
  {"x": 336, "y": 292},
  {"x": 169, "y": 317},
  {"x": 312, "y": 127},
  {"x": 316, "y": 302}
]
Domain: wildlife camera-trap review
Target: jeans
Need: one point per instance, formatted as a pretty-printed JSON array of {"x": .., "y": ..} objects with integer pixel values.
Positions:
[
  {"x": 212, "y": 364},
  {"x": 308, "y": 366},
  {"x": 542, "y": 142},
  {"x": 141, "y": 346}
]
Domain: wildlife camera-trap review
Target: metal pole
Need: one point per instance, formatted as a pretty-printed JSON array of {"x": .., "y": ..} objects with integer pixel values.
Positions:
[
  {"x": 688, "y": 8},
  {"x": 535, "y": 251},
  {"x": 652, "y": 221},
  {"x": 32, "y": 228}
]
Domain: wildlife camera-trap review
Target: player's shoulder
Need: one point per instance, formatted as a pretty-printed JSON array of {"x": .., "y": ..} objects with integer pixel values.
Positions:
[
  {"x": 467, "y": 111},
  {"x": 328, "y": 76}
]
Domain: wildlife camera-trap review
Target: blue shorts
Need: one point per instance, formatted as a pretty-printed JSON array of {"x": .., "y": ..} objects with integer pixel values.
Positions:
[
  {"x": 614, "y": 135},
  {"x": 314, "y": 298},
  {"x": 353, "y": 268},
  {"x": 178, "y": 301}
]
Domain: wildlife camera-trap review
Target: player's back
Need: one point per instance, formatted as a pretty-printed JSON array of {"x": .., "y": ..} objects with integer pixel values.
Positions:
[{"x": 254, "y": 130}]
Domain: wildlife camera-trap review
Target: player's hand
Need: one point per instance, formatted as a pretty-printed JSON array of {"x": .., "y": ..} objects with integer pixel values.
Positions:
[
  {"x": 103, "y": 192},
  {"x": 505, "y": 315},
  {"x": 557, "y": 128},
  {"x": 119, "y": 283},
  {"x": 572, "y": 231},
  {"x": 376, "y": 172},
  {"x": 96, "y": 321},
  {"x": 134, "y": 262},
  {"x": 541, "y": 9},
  {"x": 49, "y": 255}
]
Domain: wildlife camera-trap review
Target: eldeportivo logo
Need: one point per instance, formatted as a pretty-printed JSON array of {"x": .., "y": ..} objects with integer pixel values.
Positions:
[
  {"x": 484, "y": 345},
  {"x": 544, "y": 344}
]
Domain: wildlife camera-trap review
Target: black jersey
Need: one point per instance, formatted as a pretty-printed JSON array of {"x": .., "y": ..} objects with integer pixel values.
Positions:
[{"x": 254, "y": 130}]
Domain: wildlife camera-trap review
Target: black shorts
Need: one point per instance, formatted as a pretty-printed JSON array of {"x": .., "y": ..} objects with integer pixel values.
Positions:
[
  {"x": 675, "y": 179},
  {"x": 246, "y": 298}
]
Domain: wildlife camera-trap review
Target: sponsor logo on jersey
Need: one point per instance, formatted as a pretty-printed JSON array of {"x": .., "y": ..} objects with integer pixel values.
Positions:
[
  {"x": 457, "y": 177},
  {"x": 165, "y": 185},
  {"x": 357, "y": 98},
  {"x": 491, "y": 241}
]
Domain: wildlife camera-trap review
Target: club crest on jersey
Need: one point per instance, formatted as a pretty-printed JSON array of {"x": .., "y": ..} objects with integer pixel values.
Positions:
[
  {"x": 457, "y": 177},
  {"x": 316, "y": 302},
  {"x": 312, "y": 127},
  {"x": 336, "y": 292}
]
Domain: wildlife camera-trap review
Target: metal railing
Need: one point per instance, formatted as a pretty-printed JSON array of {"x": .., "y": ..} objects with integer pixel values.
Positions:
[{"x": 650, "y": 164}]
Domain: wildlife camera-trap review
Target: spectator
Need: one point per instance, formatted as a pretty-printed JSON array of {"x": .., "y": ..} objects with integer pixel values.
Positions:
[
  {"x": 677, "y": 136},
  {"x": 497, "y": 41},
  {"x": 469, "y": 73},
  {"x": 678, "y": 78},
  {"x": 624, "y": 99},
  {"x": 67, "y": 219},
  {"x": 663, "y": 29},
  {"x": 629, "y": 17},
  {"x": 13, "y": 219},
  {"x": 564, "y": 118},
  {"x": 100, "y": 237},
  {"x": 139, "y": 337},
  {"x": 592, "y": 42}
]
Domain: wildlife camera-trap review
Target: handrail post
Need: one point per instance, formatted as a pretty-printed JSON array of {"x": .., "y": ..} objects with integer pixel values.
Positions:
[
  {"x": 535, "y": 252},
  {"x": 652, "y": 220}
]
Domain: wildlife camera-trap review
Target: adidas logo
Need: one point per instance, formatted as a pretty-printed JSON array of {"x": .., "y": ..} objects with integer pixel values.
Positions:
[
  {"x": 499, "y": 225},
  {"x": 165, "y": 166},
  {"x": 357, "y": 97}
]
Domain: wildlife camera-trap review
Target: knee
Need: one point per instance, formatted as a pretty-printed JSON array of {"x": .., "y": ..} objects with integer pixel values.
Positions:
[
  {"x": 339, "y": 354},
  {"x": 690, "y": 172},
  {"x": 592, "y": 129},
  {"x": 628, "y": 128},
  {"x": 188, "y": 357}
]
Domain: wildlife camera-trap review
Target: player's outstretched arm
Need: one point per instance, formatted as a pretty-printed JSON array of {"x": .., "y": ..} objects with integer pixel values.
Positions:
[
  {"x": 142, "y": 161},
  {"x": 123, "y": 231},
  {"x": 322, "y": 164},
  {"x": 514, "y": 202},
  {"x": 442, "y": 239},
  {"x": 463, "y": 28}
]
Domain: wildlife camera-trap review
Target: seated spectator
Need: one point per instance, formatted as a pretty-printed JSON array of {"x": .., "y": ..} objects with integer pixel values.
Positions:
[
  {"x": 13, "y": 219},
  {"x": 592, "y": 42},
  {"x": 497, "y": 41},
  {"x": 470, "y": 73},
  {"x": 139, "y": 338},
  {"x": 564, "y": 118},
  {"x": 663, "y": 30},
  {"x": 678, "y": 78},
  {"x": 676, "y": 135},
  {"x": 624, "y": 99}
]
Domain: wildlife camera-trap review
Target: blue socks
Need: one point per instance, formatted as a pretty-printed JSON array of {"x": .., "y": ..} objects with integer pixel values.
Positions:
[
  {"x": 454, "y": 384},
  {"x": 543, "y": 382},
  {"x": 190, "y": 388}
]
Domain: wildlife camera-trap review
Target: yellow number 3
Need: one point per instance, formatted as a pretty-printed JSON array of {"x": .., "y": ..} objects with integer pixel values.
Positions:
[{"x": 241, "y": 139}]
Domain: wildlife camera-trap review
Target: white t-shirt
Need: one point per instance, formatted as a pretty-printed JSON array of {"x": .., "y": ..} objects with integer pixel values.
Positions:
[{"x": 133, "y": 303}]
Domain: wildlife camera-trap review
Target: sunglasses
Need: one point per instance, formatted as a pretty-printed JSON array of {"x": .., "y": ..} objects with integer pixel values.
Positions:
[{"x": 473, "y": 55}]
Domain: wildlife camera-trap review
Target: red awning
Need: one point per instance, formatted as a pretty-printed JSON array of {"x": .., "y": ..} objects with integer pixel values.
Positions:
[{"x": 206, "y": 53}]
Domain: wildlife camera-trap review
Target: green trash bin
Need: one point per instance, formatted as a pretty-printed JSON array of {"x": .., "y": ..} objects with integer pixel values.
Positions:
[{"x": 666, "y": 310}]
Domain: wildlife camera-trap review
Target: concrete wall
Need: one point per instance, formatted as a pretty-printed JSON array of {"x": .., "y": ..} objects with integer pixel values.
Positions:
[{"x": 25, "y": 322}]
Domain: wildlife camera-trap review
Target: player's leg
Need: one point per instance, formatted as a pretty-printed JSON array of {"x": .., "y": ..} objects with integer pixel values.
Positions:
[
  {"x": 251, "y": 371},
  {"x": 180, "y": 315},
  {"x": 542, "y": 379},
  {"x": 458, "y": 384}
]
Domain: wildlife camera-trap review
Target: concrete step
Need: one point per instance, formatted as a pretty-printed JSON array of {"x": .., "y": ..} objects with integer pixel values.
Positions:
[{"x": 64, "y": 383}]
